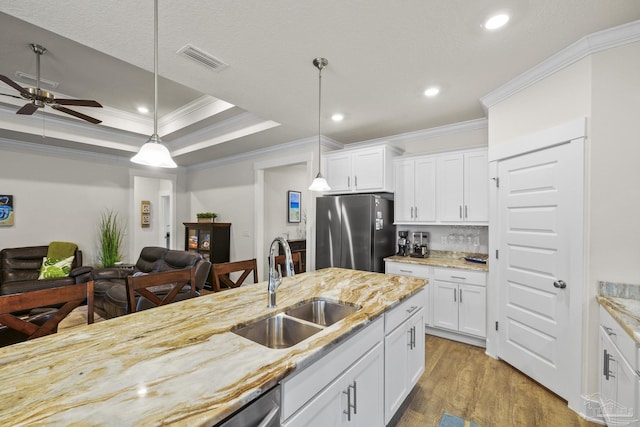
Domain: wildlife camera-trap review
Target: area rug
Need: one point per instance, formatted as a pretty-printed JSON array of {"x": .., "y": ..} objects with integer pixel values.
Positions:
[{"x": 449, "y": 420}]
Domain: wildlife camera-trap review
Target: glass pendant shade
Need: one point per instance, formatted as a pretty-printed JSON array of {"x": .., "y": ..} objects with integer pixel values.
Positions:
[
  {"x": 319, "y": 184},
  {"x": 154, "y": 153}
]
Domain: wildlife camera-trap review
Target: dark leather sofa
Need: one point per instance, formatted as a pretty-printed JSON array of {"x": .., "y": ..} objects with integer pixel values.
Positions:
[
  {"x": 20, "y": 268},
  {"x": 110, "y": 283}
]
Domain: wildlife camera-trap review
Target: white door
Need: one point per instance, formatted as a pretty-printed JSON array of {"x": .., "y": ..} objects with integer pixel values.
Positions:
[
  {"x": 476, "y": 187},
  {"x": 450, "y": 186},
  {"x": 538, "y": 198},
  {"x": 338, "y": 172},
  {"x": 445, "y": 305}
]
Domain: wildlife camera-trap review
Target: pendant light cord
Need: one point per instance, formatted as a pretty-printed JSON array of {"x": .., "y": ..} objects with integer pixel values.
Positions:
[
  {"x": 155, "y": 68},
  {"x": 319, "y": 115}
]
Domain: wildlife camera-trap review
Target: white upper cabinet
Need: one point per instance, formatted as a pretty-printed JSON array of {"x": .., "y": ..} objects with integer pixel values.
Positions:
[
  {"x": 361, "y": 170},
  {"x": 464, "y": 187},
  {"x": 415, "y": 197},
  {"x": 443, "y": 188}
]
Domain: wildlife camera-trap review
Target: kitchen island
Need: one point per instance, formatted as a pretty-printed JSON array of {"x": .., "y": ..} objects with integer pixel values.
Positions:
[{"x": 180, "y": 364}]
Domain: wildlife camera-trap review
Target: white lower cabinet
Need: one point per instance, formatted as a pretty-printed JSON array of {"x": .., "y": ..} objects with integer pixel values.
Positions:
[
  {"x": 618, "y": 379},
  {"x": 353, "y": 399},
  {"x": 345, "y": 387},
  {"x": 415, "y": 270},
  {"x": 404, "y": 352},
  {"x": 459, "y": 301}
]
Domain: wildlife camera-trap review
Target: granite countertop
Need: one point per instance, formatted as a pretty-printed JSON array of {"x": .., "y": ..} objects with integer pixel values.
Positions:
[
  {"x": 622, "y": 301},
  {"x": 444, "y": 259},
  {"x": 179, "y": 364}
]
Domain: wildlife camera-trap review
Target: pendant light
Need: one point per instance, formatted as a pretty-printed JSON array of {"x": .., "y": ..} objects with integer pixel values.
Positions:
[
  {"x": 154, "y": 152},
  {"x": 319, "y": 183}
]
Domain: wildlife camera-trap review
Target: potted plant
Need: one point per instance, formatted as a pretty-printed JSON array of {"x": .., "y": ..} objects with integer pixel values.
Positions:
[
  {"x": 111, "y": 233},
  {"x": 206, "y": 216}
]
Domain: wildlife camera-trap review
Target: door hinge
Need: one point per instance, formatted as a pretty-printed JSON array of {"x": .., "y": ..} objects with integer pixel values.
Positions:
[
  {"x": 497, "y": 181},
  {"x": 497, "y": 253},
  {"x": 496, "y": 325}
]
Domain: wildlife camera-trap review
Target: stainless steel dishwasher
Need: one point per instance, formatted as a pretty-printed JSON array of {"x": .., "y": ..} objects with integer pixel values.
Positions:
[{"x": 262, "y": 412}]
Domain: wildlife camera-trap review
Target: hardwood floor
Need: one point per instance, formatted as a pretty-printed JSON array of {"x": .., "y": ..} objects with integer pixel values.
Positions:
[{"x": 461, "y": 380}]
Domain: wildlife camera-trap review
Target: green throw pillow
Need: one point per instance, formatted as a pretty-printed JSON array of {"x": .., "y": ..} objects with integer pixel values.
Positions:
[{"x": 53, "y": 268}]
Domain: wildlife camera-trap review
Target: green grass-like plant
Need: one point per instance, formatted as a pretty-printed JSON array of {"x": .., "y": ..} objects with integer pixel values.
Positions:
[{"x": 111, "y": 235}]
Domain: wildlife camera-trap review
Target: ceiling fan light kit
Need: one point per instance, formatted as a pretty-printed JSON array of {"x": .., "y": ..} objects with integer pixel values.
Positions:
[
  {"x": 154, "y": 152},
  {"x": 41, "y": 98},
  {"x": 319, "y": 183}
]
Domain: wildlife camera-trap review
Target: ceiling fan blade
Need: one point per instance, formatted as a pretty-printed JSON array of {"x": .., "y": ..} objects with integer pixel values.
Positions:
[
  {"x": 15, "y": 85},
  {"x": 78, "y": 102},
  {"x": 12, "y": 96},
  {"x": 27, "y": 109},
  {"x": 76, "y": 114}
]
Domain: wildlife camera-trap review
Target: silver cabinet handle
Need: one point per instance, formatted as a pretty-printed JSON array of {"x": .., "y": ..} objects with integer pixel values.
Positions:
[
  {"x": 416, "y": 212},
  {"x": 356, "y": 181},
  {"x": 455, "y": 291},
  {"x": 412, "y": 309},
  {"x": 458, "y": 277},
  {"x": 348, "y": 182},
  {"x": 609, "y": 331},
  {"x": 460, "y": 212},
  {"x": 348, "y": 410},
  {"x": 411, "y": 212},
  {"x": 465, "y": 212},
  {"x": 460, "y": 291},
  {"x": 410, "y": 343},
  {"x": 355, "y": 397},
  {"x": 406, "y": 271}
]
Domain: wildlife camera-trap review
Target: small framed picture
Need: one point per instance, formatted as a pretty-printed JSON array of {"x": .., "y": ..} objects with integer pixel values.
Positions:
[{"x": 293, "y": 206}]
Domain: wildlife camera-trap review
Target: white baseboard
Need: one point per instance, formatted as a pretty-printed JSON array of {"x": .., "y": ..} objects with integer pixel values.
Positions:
[{"x": 467, "y": 339}]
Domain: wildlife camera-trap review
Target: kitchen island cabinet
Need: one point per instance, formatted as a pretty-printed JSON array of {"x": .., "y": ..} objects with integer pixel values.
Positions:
[{"x": 181, "y": 364}]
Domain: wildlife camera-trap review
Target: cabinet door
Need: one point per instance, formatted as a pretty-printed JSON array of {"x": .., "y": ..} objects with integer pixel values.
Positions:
[
  {"x": 450, "y": 188},
  {"x": 445, "y": 305},
  {"x": 368, "y": 170},
  {"x": 607, "y": 380},
  {"x": 339, "y": 172},
  {"x": 404, "y": 197},
  {"x": 472, "y": 310},
  {"x": 626, "y": 394},
  {"x": 396, "y": 386},
  {"x": 415, "y": 356},
  {"x": 476, "y": 187},
  {"x": 325, "y": 409},
  {"x": 425, "y": 190},
  {"x": 364, "y": 385}
]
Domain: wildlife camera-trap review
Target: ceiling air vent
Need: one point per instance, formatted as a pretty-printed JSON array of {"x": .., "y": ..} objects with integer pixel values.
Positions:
[{"x": 202, "y": 57}]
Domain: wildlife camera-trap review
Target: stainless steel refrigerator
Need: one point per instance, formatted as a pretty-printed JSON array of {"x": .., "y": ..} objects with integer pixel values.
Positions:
[{"x": 354, "y": 231}]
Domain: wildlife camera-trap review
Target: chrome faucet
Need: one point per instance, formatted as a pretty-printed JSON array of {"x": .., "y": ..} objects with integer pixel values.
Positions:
[{"x": 275, "y": 275}]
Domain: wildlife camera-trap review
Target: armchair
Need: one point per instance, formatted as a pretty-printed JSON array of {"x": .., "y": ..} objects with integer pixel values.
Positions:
[{"x": 110, "y": 284}]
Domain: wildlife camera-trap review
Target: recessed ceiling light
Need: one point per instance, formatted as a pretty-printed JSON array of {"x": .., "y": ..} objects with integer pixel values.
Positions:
[
  {"x": 496, "y": 21},
  {"x": 432, "y": 91},
  {"x": 143, "y": 110},
  {"x": 337, "y": 117}
]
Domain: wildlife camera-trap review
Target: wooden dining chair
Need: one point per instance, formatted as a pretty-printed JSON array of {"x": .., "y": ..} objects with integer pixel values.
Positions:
[
  {"x": 297, "y": 262},
  {"x": 167, "y": 284},
  {"x": 221, "y": 271},
  {"x": 70, "y": 296}
]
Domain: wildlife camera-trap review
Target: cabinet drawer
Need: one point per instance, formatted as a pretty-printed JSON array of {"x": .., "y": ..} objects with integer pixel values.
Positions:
[
  {"x": 460, "y": 276},
  {"x": 407, "y": 269},
  {"x": 620, "y": 338},
  {"x": 406, "y": 309}
]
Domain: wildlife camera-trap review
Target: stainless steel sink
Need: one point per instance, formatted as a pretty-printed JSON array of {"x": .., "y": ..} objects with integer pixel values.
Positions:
[
  {"x": 279, "y": 331},
  {"x": 322, "y": 312}
]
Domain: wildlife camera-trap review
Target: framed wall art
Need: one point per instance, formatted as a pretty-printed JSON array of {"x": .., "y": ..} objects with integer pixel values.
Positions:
[
  {"x": 293, "y": 206},
  {"x": 6, "y": 210}
]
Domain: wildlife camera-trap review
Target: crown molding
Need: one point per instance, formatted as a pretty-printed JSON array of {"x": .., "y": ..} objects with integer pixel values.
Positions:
[{"x": 588, "y": 45}]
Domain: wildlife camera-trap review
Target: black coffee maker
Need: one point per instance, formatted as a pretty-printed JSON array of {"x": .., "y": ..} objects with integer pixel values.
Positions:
[{"x": 403, "y": 243}]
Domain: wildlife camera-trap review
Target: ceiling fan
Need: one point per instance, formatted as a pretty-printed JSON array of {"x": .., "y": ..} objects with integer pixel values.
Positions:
[{"x": 40, "y": 97}]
